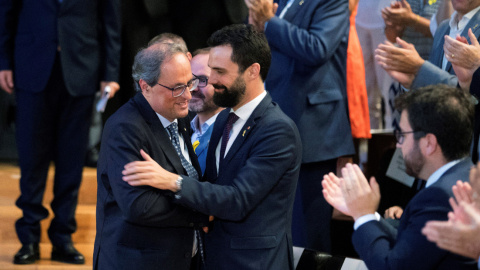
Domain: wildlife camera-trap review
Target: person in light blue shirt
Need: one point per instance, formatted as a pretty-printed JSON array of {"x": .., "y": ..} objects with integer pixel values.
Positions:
[{"x": 202, "y": 104}]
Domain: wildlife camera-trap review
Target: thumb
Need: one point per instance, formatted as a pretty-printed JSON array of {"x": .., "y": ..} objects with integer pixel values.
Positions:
[
  {"x": 145, "y": 155},
  {"x": 403, "y": 43},
  {"x": 404, "y": 3},
  {"x": 473, "y": 38},
  {"x": 374, "y": 185}
]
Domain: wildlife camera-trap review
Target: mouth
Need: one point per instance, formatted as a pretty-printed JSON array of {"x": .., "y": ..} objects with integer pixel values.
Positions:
[{"x": 183, "y": 104}]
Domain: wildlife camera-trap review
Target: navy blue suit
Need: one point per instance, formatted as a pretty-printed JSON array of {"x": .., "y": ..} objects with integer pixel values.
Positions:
[
  {"x": 383, "y": 247},
  {"x": 307, "y": 78},
  {"x": 58, "y": 53},
  {"x": 252, "y": 196},
  {"x": 141, "y": 227}
]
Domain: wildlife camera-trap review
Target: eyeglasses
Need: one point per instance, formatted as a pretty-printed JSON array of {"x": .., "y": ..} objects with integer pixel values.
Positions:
[
  {"x": 400, "y": 136},
  {"x": 179, "y": 90},
  {"x": 202, "y": 80}
]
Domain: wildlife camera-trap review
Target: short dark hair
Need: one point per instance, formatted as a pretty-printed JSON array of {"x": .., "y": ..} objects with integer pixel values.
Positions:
[
  {"x": 205, "y": 50},
  {"x": 444, "y": 111},
  {"x": 147, "y": 62},
  {"x": 248, "y": 46}
]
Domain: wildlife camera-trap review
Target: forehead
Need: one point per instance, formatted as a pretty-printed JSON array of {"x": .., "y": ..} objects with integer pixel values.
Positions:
[
  {"x": 221, "y": 58},
  {"x": 176, "y": 69},
  {"x": 200, "y": 65}
]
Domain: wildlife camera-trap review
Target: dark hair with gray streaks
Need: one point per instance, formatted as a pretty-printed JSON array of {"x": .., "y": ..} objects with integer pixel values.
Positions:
[{"x": 146, "y": 65}]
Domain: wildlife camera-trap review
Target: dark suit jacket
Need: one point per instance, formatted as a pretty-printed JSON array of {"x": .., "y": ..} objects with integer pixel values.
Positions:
[
  {"x": 431, "y": 71},
  {"x": 252, "y": 196},
  {"x": 140, "y": 227},
  {"x": 88, "y": 32},
  {"x": 382, "y": 247},
  {"x": 307, "y": 75}
]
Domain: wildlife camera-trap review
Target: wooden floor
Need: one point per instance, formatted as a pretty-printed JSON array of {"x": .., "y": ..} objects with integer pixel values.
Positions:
[{"x": 9, "y": 213}]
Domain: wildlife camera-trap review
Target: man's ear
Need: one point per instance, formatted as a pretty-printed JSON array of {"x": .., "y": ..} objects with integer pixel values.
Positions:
[
  {"x": 253, "y": 71},
  {"x": 430, "y": 144},
  {"x": 146, "y": 89}
]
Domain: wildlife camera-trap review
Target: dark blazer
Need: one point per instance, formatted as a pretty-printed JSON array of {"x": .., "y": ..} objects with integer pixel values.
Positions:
[
  {"x": 382, "y": 247},
  {"x": 252, "y": 195},
  {"x": 141, "y": 227},
  {"x": 307, "y": 77},
  {"x": 431, "y": 71},
  {"x": 87, "y": 31}
]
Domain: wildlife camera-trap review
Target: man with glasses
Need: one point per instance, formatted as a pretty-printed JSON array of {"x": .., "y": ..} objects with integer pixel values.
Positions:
[
  {"x": 142, "y": 227},
  {"x": 435, "y": 134},
  {"x": 252, "y": 166},
  {"x": 202, "y": 104}
]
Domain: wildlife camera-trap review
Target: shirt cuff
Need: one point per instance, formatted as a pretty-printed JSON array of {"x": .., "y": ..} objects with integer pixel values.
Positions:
[{"x": 364, "y": 219}]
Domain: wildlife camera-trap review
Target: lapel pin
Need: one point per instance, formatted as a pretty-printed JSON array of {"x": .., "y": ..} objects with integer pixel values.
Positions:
[
  {"x": 248, "y": 127},
  {"x": 301, "y": 3},
  {"x": 475, "y": 27},
  {"x": 243, "y": 135}
]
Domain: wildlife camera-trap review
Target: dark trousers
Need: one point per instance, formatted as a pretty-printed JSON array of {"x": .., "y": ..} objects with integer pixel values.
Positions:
[
  {"x": 311, "y": 213},
  {"x": 51, "y": 126}
]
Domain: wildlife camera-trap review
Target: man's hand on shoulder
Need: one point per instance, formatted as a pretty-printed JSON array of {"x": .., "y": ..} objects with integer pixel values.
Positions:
[
  {"x": 149, "y": 173},
  {"x": 6, "y": 81}
]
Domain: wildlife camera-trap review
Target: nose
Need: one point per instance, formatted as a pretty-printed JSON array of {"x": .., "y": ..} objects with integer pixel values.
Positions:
[{"x": 187, "y": 94}]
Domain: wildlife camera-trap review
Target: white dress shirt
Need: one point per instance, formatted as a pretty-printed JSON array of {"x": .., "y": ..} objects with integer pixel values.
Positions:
[{"x": 243, "y": 114}]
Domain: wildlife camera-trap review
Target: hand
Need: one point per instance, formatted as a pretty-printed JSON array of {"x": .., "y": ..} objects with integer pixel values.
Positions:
[
  {"x": 207, "y": 228},
  {"x": 333, "y": 193},
  {"x": 475, "y": 183},
  {"x": 401, "y": 63},
  {"x": 148, "y": 172},
  {"x": 114, "y": 87},
  {"x": 402, "y": 59},
  {"x": 6, "y": 81},
  {"x": 399, "y": 14},
  {"x": 260, "y": 12},
  {"x": 465, "y": 58},
  {"x": 394, "y": 212},
  {"x": 360, "y": 197},
  {"x": 457, "y": 237}
]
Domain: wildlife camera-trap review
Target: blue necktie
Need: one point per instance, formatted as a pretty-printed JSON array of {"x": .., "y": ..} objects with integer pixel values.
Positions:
[{"x": 173, "y": 130}]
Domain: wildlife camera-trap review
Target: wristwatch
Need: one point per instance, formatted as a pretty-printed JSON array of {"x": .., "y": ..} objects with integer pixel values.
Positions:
[{"x": 178, "y": 182}]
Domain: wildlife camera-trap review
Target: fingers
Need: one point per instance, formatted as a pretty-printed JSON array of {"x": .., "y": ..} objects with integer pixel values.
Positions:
[
  {"x": 404, "y": 44},
  {"x": 473, "y": 38},
  {"x": 6, "y": 81},
  {"x": 145, "y": 156},
  {"x": 374, "y": 186}
]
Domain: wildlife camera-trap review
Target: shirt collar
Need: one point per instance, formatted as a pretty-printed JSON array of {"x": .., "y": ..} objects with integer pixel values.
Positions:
[
  {"x": 438, "y": 173},
  {"x": 460, "y": 25},
  {"x": 205, "y": 126},
  {"x": 164, "y": 121},
  {"x": 247, "y": 109}
]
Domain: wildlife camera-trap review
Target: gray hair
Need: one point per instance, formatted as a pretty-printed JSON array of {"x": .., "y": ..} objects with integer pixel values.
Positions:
[
  {"x": 147, "y": 62},
  {"x": 169, "y": 38}
]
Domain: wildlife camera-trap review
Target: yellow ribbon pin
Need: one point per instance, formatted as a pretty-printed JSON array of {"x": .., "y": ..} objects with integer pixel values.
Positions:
[{"x": 195, "y": 144}]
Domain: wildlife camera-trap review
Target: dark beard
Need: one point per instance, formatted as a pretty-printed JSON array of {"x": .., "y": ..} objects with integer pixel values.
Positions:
[
  {"x": 230, "y": 97},
  {"x": 414, "y": 162}
]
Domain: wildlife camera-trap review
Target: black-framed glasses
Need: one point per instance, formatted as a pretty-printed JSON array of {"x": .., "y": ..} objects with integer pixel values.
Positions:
[
  {"x": 400, "y": 135},
  {"x": 202, "y": 80},
  {"x": 179, "y": 90}
]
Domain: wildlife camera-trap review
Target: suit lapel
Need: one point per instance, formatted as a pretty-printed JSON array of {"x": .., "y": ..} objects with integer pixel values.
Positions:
[
  {"x": 293, "y": 10},
  {"x": 161, "y": 134},
  {"x": 245, "y": 131}
]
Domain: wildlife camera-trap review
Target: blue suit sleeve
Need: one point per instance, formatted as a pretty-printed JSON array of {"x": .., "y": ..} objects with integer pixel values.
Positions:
[
  {"x": 315, "y": 43},
  {"x": 111, "y": 21},
  {"x": 274, "y": 152},
  {"x": 378, "y": 247},
  {"x": 8, "y": 23}
]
